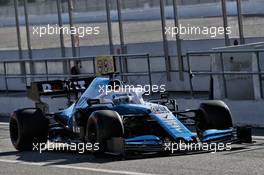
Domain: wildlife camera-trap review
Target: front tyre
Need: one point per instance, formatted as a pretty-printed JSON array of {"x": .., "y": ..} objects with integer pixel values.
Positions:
[
  {"x": 213, "y": 114},
  {"x": 103, "y": 125}
]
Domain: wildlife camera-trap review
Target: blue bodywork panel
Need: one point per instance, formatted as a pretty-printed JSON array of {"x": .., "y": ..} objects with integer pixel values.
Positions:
[
  {"x": 213, "y": 134},
  {"x": 146, "y": 140},
  {"x": 66, "y": 114},
  {"x": 174, "y": 127},
  {"x": 160, "y": 114}
]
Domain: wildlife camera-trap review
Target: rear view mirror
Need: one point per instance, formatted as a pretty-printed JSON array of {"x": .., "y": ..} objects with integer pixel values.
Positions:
[
  {"x": 164, "y": 95},
  {"x": 91, "y": 102}
]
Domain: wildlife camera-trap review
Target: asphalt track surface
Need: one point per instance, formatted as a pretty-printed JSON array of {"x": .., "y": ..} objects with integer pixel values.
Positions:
[{"x": 243, "y": 159}]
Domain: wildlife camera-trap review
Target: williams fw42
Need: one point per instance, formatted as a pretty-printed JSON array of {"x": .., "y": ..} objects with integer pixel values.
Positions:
[{"x": 118, "y": 121}]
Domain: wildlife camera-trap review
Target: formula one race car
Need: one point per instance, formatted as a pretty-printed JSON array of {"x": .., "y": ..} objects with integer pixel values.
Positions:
[{"x": 115, "y": 119}]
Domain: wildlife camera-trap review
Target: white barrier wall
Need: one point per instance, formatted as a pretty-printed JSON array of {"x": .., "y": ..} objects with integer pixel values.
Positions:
[{"x": 238, "y": 86}]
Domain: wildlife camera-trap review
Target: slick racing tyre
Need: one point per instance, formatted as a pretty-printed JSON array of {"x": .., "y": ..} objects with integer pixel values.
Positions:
[
  {"x": 103, "y": 125},
  {"x": 28, "y": 126},
  {"x": 213, "y": 115}
]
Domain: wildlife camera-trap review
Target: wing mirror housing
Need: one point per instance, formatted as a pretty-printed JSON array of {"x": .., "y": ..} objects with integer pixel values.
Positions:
[{"x": 92, "y": 102}]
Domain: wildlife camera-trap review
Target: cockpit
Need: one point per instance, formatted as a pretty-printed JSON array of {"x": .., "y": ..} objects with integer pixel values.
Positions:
[{"x": 110, "y": 91}]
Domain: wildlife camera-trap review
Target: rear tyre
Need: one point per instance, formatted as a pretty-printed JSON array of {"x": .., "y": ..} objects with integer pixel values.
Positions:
[
  {"x": 28, "y": 126},
  {"x": 213, "y": 114},
  {"x": 103, "y": 125}
]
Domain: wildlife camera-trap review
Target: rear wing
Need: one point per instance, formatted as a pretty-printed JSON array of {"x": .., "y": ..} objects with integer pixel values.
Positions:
[{"x": 56, "y": 88}]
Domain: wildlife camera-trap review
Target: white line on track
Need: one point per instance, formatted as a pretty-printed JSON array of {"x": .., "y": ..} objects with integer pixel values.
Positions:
[
  {"x": 98, "y": 170},
  {"x": 101, "y": 170},
  {"x": 4, "y": 123},
  {"x": 258, "y": 137}
]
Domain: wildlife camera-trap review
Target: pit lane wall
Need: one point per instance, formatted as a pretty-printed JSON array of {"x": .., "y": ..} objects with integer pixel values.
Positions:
[
  {"x": 245, "y": 112},
  {"x": 239, "y": 87}
]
